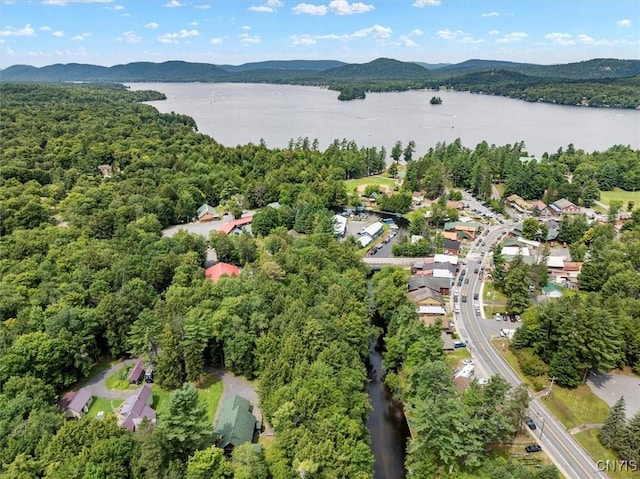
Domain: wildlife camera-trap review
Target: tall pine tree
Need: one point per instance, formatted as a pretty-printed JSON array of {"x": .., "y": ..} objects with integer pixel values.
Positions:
[
  {"x": 169, "y": 373},
  {"x": 613, "y": 431},
  {"x": 630, "y": 447}
]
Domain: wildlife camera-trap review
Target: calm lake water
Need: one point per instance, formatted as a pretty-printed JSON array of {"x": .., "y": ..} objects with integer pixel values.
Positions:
[{"x": 236, "y": 114}]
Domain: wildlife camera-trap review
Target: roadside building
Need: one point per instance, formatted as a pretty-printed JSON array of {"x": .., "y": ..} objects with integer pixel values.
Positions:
[
  {"x": 451, "y": 247},
  {"x": 236, "y": 226},
  {"x": 339, "y": 225},
  {"x": 207, "y": 213},
  {"x": 563, "y": 207}
]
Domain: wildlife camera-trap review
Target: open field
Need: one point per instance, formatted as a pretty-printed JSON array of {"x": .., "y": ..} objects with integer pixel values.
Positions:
[
  {"x": 385, "y": 181},
  {"x": 574, "y": 407},
  {"x": 620, "y": 195}
]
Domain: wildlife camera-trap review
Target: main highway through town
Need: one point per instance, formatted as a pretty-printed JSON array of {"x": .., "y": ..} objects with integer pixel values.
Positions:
[{"x": 566, "y": 453}]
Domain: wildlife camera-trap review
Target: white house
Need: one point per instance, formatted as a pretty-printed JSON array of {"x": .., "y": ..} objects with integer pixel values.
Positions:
[
  {"x": 373, "y": 230},
  {"x": 515, "y": 250},
  {"x": 445, "y": 258}
]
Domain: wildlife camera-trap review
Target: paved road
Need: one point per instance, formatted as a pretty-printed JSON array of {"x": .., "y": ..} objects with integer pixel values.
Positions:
[{"x": 565, "y": 452}]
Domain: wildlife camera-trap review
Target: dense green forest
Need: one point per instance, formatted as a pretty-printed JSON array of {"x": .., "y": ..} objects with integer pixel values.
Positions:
[{"x": 595, "y": 83}]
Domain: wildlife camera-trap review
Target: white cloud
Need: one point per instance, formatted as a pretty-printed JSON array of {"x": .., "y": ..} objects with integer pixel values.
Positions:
[
  {"x": 342, "y": 7},
  {"x": 270, "y": 7},
  {"x": 194, "y": 24},
  {"x": 426, "y": 3},
  {"x": 512, "y": 37},
  {"x": 202, "y": 7},
  {"x": 563, "y": 39},
  {"x": 302, "y": 39},
  {"x": 81, "y": 37},
  {"x": 26, "y": 31},
  {"x": 215, "y": 41},
  {"x": 246, "y": 28},
  {"x": 447, "y": 34},
  {"x": 152, "y": 25},
  {"x": 62, "y": 3},
  {"x": 494, "y": 32},
  {"x": 116, "y": 7},
  {"x": 247, "y": 39},
  {"x": 173, "y": 4},
  {"x": 405, "y": 41},
  {"x": 470, "y": 40},
  {"x": 416, "y": 32},
  {"x": 490, "y": 14},
  {"x": 176, "y": 37},
  {"x": 377, "y": 31},
  {"x": 130, "y": 37},
  {"x": 587, "y": 40},
  {"x": 309, "y": 9},
  {"x": 44, "y": 29},
  {"x": 58, "y": 33},
  {"x": 624, "y": 23}
]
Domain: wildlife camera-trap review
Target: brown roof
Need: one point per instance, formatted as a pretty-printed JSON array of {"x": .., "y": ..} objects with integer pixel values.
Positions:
[
  {"x": 458, "y": 205},
  {"x": 572, "y": 266},
  {"x": 452, "y": 235},
  {"x": 80, "y": 400},
  {"x": 228, "y": 227},
  {"x": 424, "y": 293}
]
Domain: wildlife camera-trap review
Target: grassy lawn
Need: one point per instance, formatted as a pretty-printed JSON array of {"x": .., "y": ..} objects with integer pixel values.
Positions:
[
  {"x": 101, "y": 404},
  {"x": 160, "y": 398},
  {"x": 209, "y": 391},
  {"x": 118, "y": 381},
  {"x": 490, "y": 293},
  {"x": 352, "y": 185},
  {"x": 620, "y": 195},
  {"x": 454, "y": 358},
  {"x": 589, "y": 440},
  {"x": 577, "y": 406}
]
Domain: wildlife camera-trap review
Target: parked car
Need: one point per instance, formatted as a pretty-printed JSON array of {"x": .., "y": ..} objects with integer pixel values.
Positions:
[
  {"x": 530, "y": 424},
  {"x": 467, "y": 362},
  {"x": 533, "y": 448},
  {"x": 475, "y": 296},
  {"x": 483, "y": 381}
]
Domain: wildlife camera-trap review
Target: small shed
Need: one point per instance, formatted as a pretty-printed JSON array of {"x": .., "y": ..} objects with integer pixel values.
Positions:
[
  {"x": 79, "y": 404},
  {"x": 135, "y": 374}
]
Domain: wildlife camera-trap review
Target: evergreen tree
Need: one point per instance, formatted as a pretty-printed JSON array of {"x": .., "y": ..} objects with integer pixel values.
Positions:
[
  {"x": 614, "y": 429},
  {"x": 169, "y": 373},
  {"x": 185, "y": 427},
  {"x": 630, "y": 446}
]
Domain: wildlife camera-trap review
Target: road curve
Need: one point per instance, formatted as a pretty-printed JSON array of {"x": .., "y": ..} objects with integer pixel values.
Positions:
[{"x": 565, "y": 452}]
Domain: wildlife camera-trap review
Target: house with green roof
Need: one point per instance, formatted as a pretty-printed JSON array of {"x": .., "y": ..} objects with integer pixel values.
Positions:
[{"x": 236, "y": 424}]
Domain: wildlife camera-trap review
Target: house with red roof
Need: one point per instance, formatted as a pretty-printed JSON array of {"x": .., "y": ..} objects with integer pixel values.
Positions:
[
  {"x": 135, "y": 374},
  {"x": 236, "y": 226},
  {"x": 78, "y": 404},
  {"x": 218, "y": 270}
]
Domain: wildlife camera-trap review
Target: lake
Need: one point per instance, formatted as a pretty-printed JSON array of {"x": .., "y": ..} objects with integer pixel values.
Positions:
[{"x": 237, "y": 114}]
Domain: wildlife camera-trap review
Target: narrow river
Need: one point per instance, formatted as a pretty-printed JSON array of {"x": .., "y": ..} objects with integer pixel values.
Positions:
[{"x": 387, "y": 424}]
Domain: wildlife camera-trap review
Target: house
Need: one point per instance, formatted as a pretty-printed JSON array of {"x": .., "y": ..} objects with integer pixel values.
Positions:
[
  {"x": 441, "y": 285},
  {"x": 135, "y": 374},
  {"x": 426, "y": 297},
  {"x": 236, "y": 424},
  {"x": 517, "y": 203},
  {"x": 364, "y": 241},
  {"x": 451, "y": 247},
  {"x": 541, "y": 208},
  {"x": 463, "y": 229},
  {"x": 457, "y": 205},
  {"x": 446, "y": 258},
  {"x": 417, "y": 197},
  {"x": 563, "y": 207},
  {"x": 451, "y": 235},
  {"x": 432, "y": 311},
  {"x": 515, "y": 250},
  {"x": 79, "y": 404},
  {"x": 218, "y": 270},
  {"x": 373, "y": 230},
  {"x": 207, "y": 213},
  {"x": 236, "y": 226},
  {"x": 136, "y": 408}
]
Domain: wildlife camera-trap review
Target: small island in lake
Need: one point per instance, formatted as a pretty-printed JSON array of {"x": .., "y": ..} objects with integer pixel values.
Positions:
[{"x": 436, "y": 100}]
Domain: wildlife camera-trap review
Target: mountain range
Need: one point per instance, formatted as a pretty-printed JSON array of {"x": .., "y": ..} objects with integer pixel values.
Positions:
[{"x": 314, "y": 71}]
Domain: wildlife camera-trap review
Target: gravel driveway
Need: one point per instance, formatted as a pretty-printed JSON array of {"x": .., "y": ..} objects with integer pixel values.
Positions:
[{"x": 98, "y": 388}]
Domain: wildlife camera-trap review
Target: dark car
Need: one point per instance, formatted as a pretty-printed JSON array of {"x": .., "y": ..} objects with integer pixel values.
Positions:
[
  {"x": 533, "y": 448},
  {"x": 530, "y": 424},
  {"x": 475, "y": 271},
  {"x": 475, "y": 295}
]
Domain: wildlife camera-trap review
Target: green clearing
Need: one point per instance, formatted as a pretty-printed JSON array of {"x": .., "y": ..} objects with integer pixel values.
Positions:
[
  {"x": 574, "y": 407},
  {"x": 589, "y": 440},
  {"x": 352, "y": 185},
  {"x": 620, "y": 195},
  {"x": 489, "y": 293},
  {"x": 454, "y": 358},
  {"x": 118, "y": 381},
  {"x": 101, "y": 404},
  {"x": 210, "y": 391}
]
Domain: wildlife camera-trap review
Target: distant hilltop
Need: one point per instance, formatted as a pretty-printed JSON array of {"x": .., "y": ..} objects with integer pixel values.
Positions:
[{"x": 578, "y": 83}]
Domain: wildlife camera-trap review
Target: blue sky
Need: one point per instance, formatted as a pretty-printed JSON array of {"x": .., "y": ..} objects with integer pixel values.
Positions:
[{"x": 110, "y": 32}]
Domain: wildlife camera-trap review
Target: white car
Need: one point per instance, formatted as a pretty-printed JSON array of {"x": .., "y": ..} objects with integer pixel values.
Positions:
[
  {"x": 483, "y": 381},
  {"x": 467, "y": 362}
]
